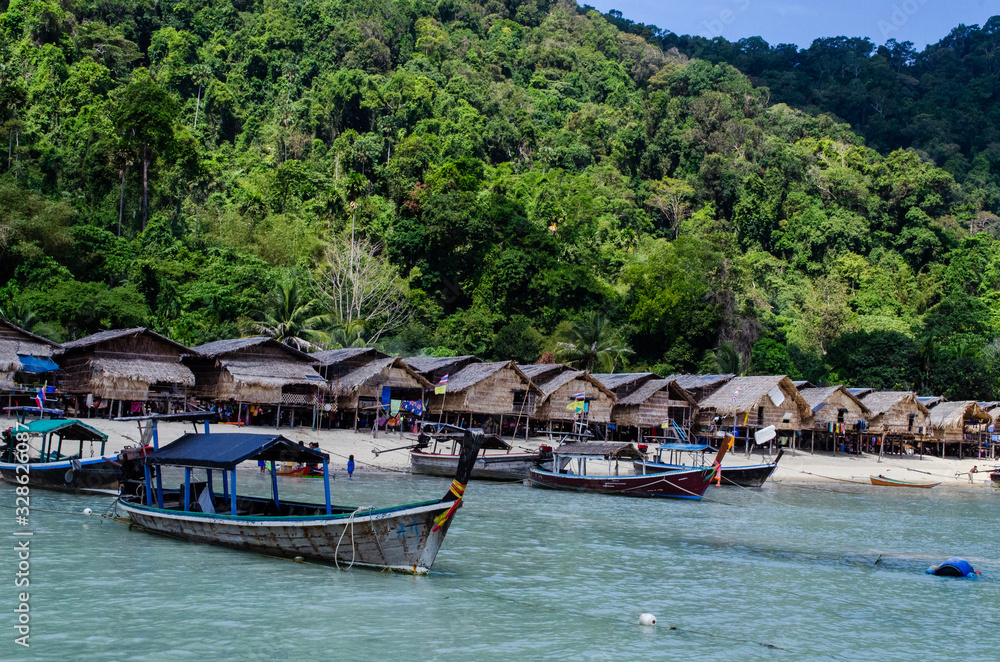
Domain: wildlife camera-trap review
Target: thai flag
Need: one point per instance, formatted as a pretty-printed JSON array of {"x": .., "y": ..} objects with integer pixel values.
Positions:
[
  {"x": 40, "y": 398},
  {"x": 580, "y": 396},
  {"x": 441, "y": 386}
]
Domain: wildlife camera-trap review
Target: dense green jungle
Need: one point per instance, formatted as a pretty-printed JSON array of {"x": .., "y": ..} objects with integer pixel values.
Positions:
[{"x": 516, "y": 179}]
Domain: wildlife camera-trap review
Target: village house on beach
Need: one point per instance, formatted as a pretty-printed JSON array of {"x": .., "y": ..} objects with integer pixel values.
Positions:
[
  {"x": 335, "y": 363},
  {"x": 540, "y": 373},
  {"x": 24, "y": 357},
  {"x": 387, "y": 388},
  {"x": 960, "y": 428},
  {"x": 433, "y": 368},
  {"x": 899, "y": 417},
  {"x": 557, "y": 404},
  {"x": 659, "y": 408},
  {"x": 623, "y": 383},
  {"x": 701, "y": 386},
  {"x": 484, "y": 392},
  {"x": 116, "y": 371},
  {"x": 839, "y": 419},
  {"x": 744, "y": 405},
  {"x": 260, "y": 376}
]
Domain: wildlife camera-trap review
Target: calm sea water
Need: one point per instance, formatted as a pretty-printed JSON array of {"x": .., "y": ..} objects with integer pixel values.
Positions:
[{"x": 783, "y": 573}]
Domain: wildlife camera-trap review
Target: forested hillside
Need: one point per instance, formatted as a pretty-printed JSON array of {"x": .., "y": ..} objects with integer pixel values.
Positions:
[{"x": 457, "y": 177}]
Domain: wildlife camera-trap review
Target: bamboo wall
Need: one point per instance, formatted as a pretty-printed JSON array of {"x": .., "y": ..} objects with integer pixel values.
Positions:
[
  {"x": 554, "y": 407},
  {"x": 896, "y": 419},
  {"x": 830, "y": 412},
  {"x": 492, "y": 395},
  {"x": 652, "y": 412},
  {"x": 392, "y": 376}
]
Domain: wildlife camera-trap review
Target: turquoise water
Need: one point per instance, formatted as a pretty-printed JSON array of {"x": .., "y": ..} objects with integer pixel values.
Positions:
[{"x": 783, "y": 573}]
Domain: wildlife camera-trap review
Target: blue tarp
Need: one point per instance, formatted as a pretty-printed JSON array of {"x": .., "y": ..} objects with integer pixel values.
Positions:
[
  {"x": 224, "y": 450},
  {"x": 688, "y": 448},
  {"x": 36, "y": 364}
]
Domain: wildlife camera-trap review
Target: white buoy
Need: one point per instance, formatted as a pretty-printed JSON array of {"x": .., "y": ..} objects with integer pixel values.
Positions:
[
  {"x": 647, "y": 619},
  {"x": 299, "y": 559},
  {"x": 88, "y": 511}
]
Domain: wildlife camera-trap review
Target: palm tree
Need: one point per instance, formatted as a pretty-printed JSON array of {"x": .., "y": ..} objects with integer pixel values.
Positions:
[
  {"x": 728, "y": 361},
  {"x": 590, "y": 342},
  {"x": 346, "y": 334},
  {"x": 289, "y": 316},
  {"x": 20, "y": 314}
]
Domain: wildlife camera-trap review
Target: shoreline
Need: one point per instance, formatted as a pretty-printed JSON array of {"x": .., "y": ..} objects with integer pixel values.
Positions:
[{"x": 796, "y": 466}]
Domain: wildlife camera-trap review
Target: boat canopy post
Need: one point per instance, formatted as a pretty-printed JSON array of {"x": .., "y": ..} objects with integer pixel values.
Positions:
[
  {"x": 59, "y": 448},
  {"x": 232, "y": 492},
  {"x": 225, "y": 485},
  {"x": 274, "y": 487},
  {"x": 149, "y": 486},
  {"x": 211, "y": 491},
  {"x": 206, "y": 427},
  {"x": 187, "y": 488},
  {"x": 159, "y": 474},
  {"x": 326, "y": 486}
]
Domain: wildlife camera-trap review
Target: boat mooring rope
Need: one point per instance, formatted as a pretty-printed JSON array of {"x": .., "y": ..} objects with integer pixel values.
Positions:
[{"x": 350, "y": 521}]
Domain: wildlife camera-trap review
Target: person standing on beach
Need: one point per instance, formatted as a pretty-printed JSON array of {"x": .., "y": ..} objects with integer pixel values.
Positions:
[{"x": 350, "y": 467}]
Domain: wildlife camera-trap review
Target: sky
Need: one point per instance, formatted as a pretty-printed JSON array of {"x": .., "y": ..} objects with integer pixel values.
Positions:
[{"x": 800, "y": 21}]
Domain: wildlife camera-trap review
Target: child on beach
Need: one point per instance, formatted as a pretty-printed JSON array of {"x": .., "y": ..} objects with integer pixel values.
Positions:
[{"x": 350, "y": 467}]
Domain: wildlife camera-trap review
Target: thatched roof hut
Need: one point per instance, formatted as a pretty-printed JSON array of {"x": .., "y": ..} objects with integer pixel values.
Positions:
[
  {"x": 124, "y": 364},
  {"x": 701, "y": 386},
  {"x": 433, "y": 368},
  {"x": 756, "y": 402},
  {"x": 335, "y": 363},
  {"x": 897, "y": 412},
  {"x": 834, "y": 406},
  {"x": 486, "y": 388},
  {"x": 258, "y": 370},
  {"x": 653, "y": 402},
  {"x": 951, "y": 420},
  {"x": 363, "y": 386},
  {"x": 539, "y": 373},
  {"x": 624, "y": 383},
  {"x": 560, "y": 391},
  {"x": 23, "y": 352},
  {"x": 930, "y": 401},
  {"x": 859, "y": 392}
]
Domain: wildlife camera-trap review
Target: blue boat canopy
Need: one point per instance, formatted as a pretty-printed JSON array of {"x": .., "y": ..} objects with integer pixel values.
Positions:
[
  {"x": 225, "y": 451},
  {"x": 36, "y": 364},
  {"x": 686, "y": 448}
]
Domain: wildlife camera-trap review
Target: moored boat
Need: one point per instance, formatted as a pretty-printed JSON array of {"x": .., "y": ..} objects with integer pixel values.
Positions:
[
  {"x": 884, "y": 481},
  {"x": 38, "y": 446},
  {"x": 669, "y": 458},
  {"x": 501, "y": 465},
  {"x": 301, "y": 472},
  {"x": 402, "y": 538},
  {"x": 679, "y": 484}
]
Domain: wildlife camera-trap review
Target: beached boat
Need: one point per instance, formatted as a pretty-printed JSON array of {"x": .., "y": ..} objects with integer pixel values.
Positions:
[
  {"x": 892, "y": 482},
  {"x": 674, "y": 456},
  {"x": 403, "y": 538},
  {"x": 500, "y": 465},
  {"x": 39, "y": 445},
  {"x": 570, "y": 472},
  {"x": 301, "y": 472},
  {"x": 995, "y": 478}
]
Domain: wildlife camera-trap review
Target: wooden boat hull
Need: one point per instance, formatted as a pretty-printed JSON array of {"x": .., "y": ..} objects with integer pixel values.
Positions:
[
  {"x": 889, "y": 482},
  {"x": 995, "y": 478},
  {"x": 689, "y": 484},
  {"x": 399, "y": 538},
  {"x": 753, "y": 475},
  {"x": 93, "y": 473},
  {"x": 507, "y": 466},
  {"x": 302, "y": 472}
]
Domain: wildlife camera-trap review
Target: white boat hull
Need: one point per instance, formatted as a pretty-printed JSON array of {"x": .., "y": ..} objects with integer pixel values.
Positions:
[{"x": 506, "y": 466}]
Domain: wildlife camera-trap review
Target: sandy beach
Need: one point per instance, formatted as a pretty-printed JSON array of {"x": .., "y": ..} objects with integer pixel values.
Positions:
[{"x": 797, "y": 466}]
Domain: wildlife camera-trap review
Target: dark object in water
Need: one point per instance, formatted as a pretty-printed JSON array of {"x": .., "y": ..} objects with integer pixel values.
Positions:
[{"x": 953, "y": 567}]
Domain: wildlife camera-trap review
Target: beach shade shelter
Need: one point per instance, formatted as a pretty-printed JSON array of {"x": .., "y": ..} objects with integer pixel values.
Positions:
[
  {"x": 125, "y": 365},
  {"x": 24, "y": 354},
  {"x": 958, "y": 424},
  {"x": 433, "y": 368},
  {"x": 701, "y": 386},
  {"x": 479, "y": 390},
  {"x": 384, "y": 387},
  {"x": 659, "y": 405},
  {"x": 256, "y": 371},
  {"x": 560, "y": 395},
  {"x": 748, "y": 404},
  {"x": 838, "y": 418},
  {"x": 900, "y": 418}
]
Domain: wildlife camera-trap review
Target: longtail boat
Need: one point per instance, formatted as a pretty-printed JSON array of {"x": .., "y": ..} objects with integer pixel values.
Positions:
[
  {"x": 403, "y": 538},
  {"x": 502, "y": 465},
  {"x": 33, "y": 452},
  {"x": 892, "y": 482},
  {"x": 302, "y": 472},
  {"x": 679, "y": 484},
  {"x": 673, "y": 457}
]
